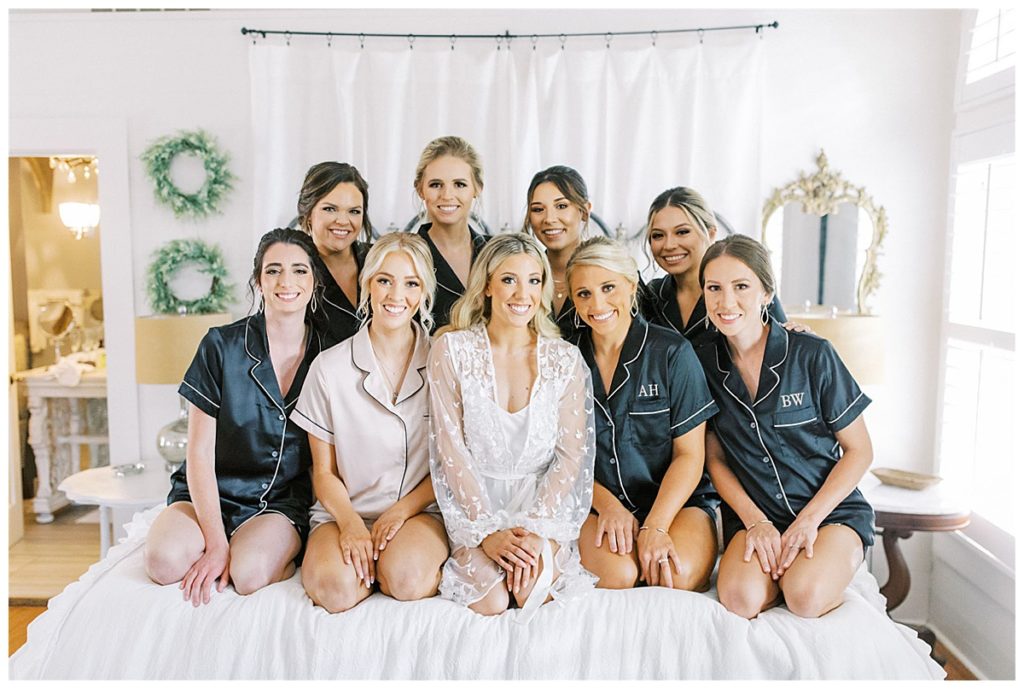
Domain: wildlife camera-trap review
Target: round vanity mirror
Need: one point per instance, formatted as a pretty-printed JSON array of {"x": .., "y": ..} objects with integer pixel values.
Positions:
[{"x": 824, "y": 235}]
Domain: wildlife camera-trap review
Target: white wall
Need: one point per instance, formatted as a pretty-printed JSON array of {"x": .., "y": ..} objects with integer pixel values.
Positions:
[{"x": 873, "y": 88}]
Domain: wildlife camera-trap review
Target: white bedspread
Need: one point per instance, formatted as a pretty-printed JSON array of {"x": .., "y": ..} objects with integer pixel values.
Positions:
[{"x": 115, "y": 624}]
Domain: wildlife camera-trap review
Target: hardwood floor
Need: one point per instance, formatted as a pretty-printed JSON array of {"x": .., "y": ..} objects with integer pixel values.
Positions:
[
  {"x": 51, "y": 556},
  {"x": 18, "y": 619},
  {"x": 43, "y": 562}
]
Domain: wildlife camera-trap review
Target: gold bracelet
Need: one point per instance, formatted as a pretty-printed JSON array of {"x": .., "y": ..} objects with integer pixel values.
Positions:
[
  {"x": 657, "y": 528},
  {"x": 760, "y": 521}
]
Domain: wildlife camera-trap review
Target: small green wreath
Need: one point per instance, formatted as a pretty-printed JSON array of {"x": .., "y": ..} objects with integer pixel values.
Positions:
[
  {"x": 161, "y": 153},
  {"x": 169, "y": 259}
]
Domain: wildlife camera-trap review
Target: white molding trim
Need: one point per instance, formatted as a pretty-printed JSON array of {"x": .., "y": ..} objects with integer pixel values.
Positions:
[
  {"x": 960, "y": 655},
  {"x": 973, "y": 600},
  {"x": 108, "y": 139}
]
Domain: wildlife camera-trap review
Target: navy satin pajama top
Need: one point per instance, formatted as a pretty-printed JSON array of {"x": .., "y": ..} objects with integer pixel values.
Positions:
[
  {"x": 261, "y": 458},
  {"x": 782, "y": 446},
  {"x": 342, "y": 321},
  {"x": 658, "y": 393},
  {"x": 449, "y": 287}
]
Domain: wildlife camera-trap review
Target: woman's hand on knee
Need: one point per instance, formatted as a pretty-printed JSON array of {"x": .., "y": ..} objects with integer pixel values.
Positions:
[
  {"x": 213, "y": 564},
  {"x": 763, "y": 539},
  {"x": 357, "y": 549},
  {"x": 800, "y": 535},
  {"x": 657, "y": 555},
  {"x": 620, "y": 527},
  {"x": 386, "y": 527}
]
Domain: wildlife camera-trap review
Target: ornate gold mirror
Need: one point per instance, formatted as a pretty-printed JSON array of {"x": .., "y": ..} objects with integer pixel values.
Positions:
[{"x": 825, "y": 235}]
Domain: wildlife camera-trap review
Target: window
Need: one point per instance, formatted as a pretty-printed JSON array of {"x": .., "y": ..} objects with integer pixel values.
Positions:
[
  {"x": 992, "y": 43},
  {"x": 975, "y": 415}
]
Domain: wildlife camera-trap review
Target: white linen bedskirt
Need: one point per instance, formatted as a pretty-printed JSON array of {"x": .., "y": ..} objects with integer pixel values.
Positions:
[{"x": 114, "y": 623}]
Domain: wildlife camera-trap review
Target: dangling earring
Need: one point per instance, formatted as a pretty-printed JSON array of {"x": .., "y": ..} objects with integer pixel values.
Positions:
[
  {"x": 312, "y": 303},
  {"x": 260, "y": 308},
  {"x": 764, "y": 314},
  {"x": 634, "y": 310},
  {"x": 576, "y": 320},
  {"x": 707, "y": 323}
]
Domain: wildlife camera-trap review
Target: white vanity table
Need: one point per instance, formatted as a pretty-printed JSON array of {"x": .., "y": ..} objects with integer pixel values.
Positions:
[{"x": 63, "y": 419}]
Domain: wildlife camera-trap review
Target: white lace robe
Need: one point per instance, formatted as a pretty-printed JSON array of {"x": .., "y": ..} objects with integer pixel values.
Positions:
[{"x": 482, "y": 486}]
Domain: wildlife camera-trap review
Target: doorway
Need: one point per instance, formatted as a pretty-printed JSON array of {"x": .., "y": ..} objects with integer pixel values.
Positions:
[{"x": 57, "y": 314}]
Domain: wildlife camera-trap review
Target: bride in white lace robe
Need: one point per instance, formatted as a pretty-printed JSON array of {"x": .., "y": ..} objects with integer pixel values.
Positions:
[{"x": 495, "y": 470}]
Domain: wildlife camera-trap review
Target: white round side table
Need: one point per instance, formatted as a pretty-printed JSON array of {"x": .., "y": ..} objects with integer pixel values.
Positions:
[{"x": 102, "y": 487}]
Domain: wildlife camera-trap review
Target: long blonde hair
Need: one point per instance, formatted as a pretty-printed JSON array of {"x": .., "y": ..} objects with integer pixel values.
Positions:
[
  {"x": 418, "y": 252},
  {"x": 474, "y": 307}
]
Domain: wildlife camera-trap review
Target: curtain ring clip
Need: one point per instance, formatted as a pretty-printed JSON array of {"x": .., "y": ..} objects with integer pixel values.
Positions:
[
  {"x": 329, "y": 37},
  {"x": 700, "y": 35},
  {"x": 654, "y": 39},
  {"x": 287, "y": 37},
  {"x": 362, "y": 41},
  {"x": 451, "y": 39},
  {"x": 562, "y": 37},
  {"x": 533, "y": 41},
  {"x": 411, "y": 39},
  {"x": 608, "y": 40}
]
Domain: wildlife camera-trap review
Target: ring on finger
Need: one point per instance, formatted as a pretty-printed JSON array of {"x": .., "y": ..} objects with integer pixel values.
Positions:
[{"x": 663, "y": 560}]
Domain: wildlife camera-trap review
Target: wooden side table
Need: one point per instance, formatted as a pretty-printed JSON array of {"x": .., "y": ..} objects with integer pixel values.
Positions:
[
  {"x": 899, "y": 512},
  {"x": 126, "y": 495}
]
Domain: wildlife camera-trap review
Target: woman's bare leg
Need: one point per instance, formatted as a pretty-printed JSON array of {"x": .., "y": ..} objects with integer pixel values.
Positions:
[
  {"x": 332, "y": 584},
  {"x": 696, "y": 542},
  {"x": 173, "y": 544},
  {"x": 409, "y": 568},
  {"x": 743, "y": 587},
  {"x": 613, "y": 570},
  {"x": 262, "y": 550},
  {"x": 814, "y": 586}
]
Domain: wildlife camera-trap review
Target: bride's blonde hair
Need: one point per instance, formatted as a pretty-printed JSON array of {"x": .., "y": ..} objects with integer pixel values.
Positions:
[{"x": 474, "y": 307}]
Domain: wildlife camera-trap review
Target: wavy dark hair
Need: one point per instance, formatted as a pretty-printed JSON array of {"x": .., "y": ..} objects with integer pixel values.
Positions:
[
  {"x": 299, "y": 238},
  {"x": 320, "y": 181},
  {"x": 569, "y": 182}
]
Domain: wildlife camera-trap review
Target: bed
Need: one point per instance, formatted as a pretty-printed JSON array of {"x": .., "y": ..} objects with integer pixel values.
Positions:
[{"x": 114, "y": 623}]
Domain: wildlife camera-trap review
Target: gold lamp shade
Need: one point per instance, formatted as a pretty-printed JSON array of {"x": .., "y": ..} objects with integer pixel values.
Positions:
[
  {"x": 858, "y": 338},
  {"x": 166, "y": 345},
  {"x": 164, "y": 348}
]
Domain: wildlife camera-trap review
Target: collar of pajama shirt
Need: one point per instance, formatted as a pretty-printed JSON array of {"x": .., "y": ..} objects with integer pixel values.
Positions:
[
  {"x": 781, "y": 443},
  {"x": 657, "y": 393},
  {"x": 380, "y": 448}
]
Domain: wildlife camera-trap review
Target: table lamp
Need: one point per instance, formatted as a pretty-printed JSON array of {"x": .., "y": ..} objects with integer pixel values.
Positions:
[
  {"x": 164, "y": 347},
  {"x": 858, "y": 338}
]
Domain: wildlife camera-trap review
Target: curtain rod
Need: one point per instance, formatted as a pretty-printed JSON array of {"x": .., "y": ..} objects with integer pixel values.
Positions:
[{"x": 508, "y": 37}]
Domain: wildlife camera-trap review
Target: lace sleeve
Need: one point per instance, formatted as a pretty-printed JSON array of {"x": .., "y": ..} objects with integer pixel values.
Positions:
[
  {"x": 461, "y": 495},
  {"x": 566, "y": 489}
]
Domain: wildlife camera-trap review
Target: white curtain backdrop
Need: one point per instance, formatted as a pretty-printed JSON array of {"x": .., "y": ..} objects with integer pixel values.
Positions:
[{"x": 633, "y": 118}]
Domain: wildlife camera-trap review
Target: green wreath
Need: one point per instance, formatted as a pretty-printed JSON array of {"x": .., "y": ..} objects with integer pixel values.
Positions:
[
  {"x": 161, "y": 153},
  {"x": 169, "y": 259}
]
